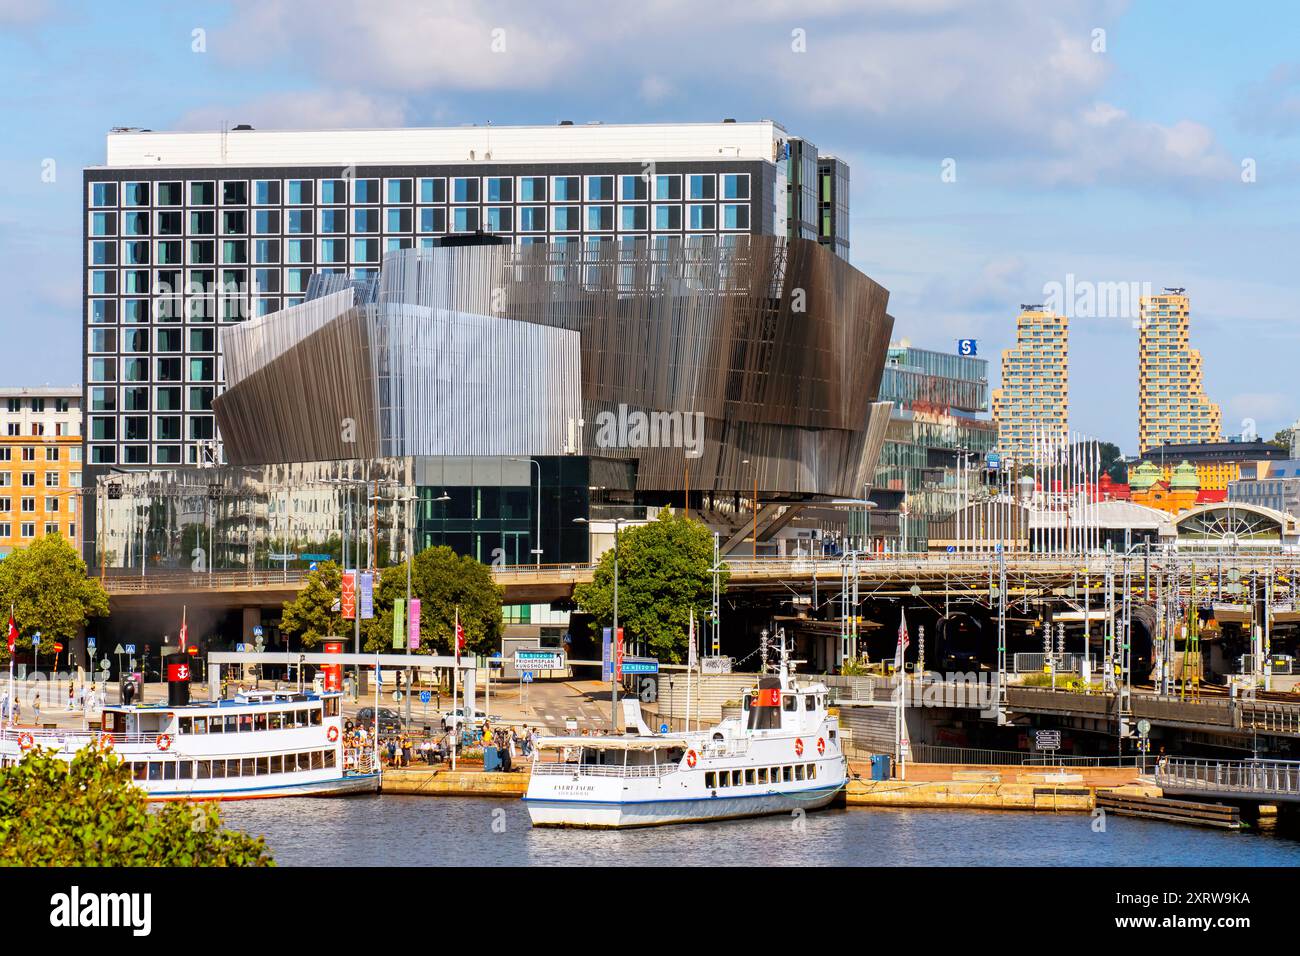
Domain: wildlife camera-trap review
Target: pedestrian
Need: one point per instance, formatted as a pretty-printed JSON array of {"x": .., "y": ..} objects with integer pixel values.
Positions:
[{"x": 71, "y": 696}]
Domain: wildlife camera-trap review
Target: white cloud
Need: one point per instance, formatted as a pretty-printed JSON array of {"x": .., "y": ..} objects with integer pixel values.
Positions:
[{"x": 315, "y": 109}]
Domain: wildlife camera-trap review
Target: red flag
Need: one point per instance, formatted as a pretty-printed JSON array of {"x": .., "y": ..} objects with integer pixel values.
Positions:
[
  {"x": 185, "y": 634},
  {"x": 13, "y": 631}
]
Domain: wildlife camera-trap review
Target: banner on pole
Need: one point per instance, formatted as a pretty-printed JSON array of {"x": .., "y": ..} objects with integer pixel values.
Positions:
[
  {"x": 399, "y": 623},
  {"x": 348, "y": 600},
  {"x": 367, "y": 595},
  {"x": 413, "y": 631}
]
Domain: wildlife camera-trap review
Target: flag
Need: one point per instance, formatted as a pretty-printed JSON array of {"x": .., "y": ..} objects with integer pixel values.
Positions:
[
  {"x": 185, "y": 631},
  {"x": 413, "y": 622},
  {"x": 901, "y": 649},
  {"x": 460, "y": 636},
  {"x": 690, "y": 653},
  {"x": 13, "y": 631}
]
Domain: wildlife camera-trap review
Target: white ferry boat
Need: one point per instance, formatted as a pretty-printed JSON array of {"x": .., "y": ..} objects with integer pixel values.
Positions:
[
  {"x": 257, "y": 744},
  {"x": 782, "y": 754}
]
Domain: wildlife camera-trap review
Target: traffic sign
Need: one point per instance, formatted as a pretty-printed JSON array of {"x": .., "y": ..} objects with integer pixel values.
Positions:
[
  {"x": 130, "y": 648},
  {"x": 119, "y": 649},
  {"x": 536, "y": 659},
  {"x": 967, "y": 347},
  {"x": 1144, "y": 727},
  {"x": 90, "y": 642},
  {"x": 314, "y": 557},
  {"x": 425, "y": 696},
  {"x": 1047, "y": 739},
  {"x": 526, "y": 677},
  {"x": 312, "y": 566},
  {"x": 952, "y": 549},
  {"x": 640, "y": 665},
  {"x": 663, "y": 728}
]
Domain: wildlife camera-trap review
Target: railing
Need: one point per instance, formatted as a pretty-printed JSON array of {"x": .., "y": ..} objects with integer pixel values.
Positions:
[
  {"x": 931, "y": 753},
  {"x": 1247, "y": 777},
  {"x": 602, "y": 770},
  {"x": 76, "y": 738},
  {"x": 1022, "y": 663},
  {"x": 122, "y": 583}
]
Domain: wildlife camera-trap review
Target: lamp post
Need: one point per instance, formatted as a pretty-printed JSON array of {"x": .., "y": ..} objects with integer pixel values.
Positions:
[
  {"x": 613, "y": 643},
  {"x": 754, "y": 469},
  {"x": 537, "y": 544}
]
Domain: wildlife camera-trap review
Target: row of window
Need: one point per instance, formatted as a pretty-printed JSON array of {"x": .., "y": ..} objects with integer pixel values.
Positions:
[
  {"x": 162, "y": 340},
  {"x": 29, "y": 453},
  {"x": 39, "y": 404},
  {"x": 200, "y": 369},
  {"x": 136, "y": 428},
  {"x": 28, "y": 504},
  {"x": 28, "y": 529},
  {"x": 759, "y": 776},
  {"x": 29, "y": 479},
  {"x": 164, "y": 769},
  {"x": 251, "y": 722},
  {"x": 37, "y": 429},
  {"x": 170, "y": 228},
  {"x": 429, "y": 189}
]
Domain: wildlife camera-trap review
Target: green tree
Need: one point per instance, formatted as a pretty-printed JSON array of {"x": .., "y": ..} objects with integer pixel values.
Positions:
[
  {"x": 1282, "y": 439},
  {"x": 443, "y": 581},
  {"x": 47, "y": 587},
  {"x": 88, "y": 813},
  {"x": 312, "y": 616},
  {"x": 664, "y": 573},
  {"x": 1111, "y": 461}
]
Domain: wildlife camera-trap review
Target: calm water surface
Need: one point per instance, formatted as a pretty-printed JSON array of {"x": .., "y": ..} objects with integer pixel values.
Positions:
[{"x": 394, "y": 830}]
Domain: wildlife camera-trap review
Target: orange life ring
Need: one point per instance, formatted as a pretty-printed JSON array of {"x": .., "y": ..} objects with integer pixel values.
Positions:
[
  {"x": 798, "y": 746},
  {"x": 105, "y": 741},
  {"x": 690, "y": 758},
  {"x": 164, "y": 741},
  {"x": 26, "y": 742},
  {"x": 332, "y": 734},
  {"x": 821, "y": 746}
]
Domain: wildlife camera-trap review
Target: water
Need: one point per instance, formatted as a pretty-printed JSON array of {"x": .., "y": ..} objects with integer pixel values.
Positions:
[{"x": 393, "y": 830}]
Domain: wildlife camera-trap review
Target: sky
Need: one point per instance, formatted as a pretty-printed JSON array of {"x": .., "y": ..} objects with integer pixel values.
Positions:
[{"x": 997, "y": 147}]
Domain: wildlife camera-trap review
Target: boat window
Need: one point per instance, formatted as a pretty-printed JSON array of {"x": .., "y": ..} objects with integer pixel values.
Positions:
[
  {"x": 316, "y": 760},
  {"x": 185, "y": 769},
  {"x": 139, "y": 769},
  {"x": 812, "y": 771},
  {"x": 232, "y": 723},
  {"x": 300, "y": 718},
  {"x": 114, "y": 722},
  {"x": 169, "y": 770},
  {"x": 329, "y": 758},
  {"x": 798, "y": 771},
  {"x": 710, "y": 780},
  {"x": 245, "y": 723},
  {"x": 218, "y": 769},
  {"x": 331, "y": 707},
  {"x": 315, "y": 716},
  {"x": 248, "y": 767},
  {"x": 790, "y": 702},
  {"x": 749, "y": 776},
  {"x": 748, "y": 700},
  {"x": 259, "y": 721},
  {"x": 762, "y": 775},
  {"x": 185, "y": 725},
  {"x": 155, "y": 770},
  {"x": 204, "y": 768},
  {"x": 262, "y": 768},
  {"x": 200, "y": 725},
  {"x": 831, "y": 734},
  {"x": 810, "y": 702},
  {"x": 787, "y": 773},
  {"x": 276, "y": 720},
  {"x": 277, "y": 764},
  {"x": 724, "y": 779},
  {"x": 232, "y": 767}
]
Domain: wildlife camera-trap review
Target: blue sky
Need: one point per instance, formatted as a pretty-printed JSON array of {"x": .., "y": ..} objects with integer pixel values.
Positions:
[{"x": 1115, "y": 157}]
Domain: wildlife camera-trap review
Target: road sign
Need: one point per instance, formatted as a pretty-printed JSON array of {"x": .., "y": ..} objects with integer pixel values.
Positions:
[
  {"x": 90, "y": 642},
  {"x": 1144, "y": 727},
  {"x": 312, "y": 566},
  {"x": 526, "y": 677},
  {"x": 282, "y": 557},
  {"x": 314, "y": 557},
  {"x": 1047, "y": 739},
  {"x": 36, "y": 640},
  {"x": 640, "y": 665},
  {"x": 663, "y": 728},
  {"x": 425, "y": 696},
  {"x": 952, "y": 549},
  {"x": 537, "y": 659},
  {"x": 967, "y": 347},
  {"x": 130, "y": 648},
  {"x": 119, "y": 649}
]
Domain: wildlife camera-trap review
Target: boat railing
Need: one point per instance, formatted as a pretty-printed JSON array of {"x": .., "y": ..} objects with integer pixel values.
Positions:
[
  {"x": 726, "y": 748},
  {"x": 75, "y": 738},
  {"x": 602, "y": 770},
  {"x": 359, "y": 760}
]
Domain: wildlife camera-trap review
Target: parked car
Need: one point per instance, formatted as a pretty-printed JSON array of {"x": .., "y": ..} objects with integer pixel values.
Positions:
[
  {"x": 390, "y": 722},
  {"x": 454, "y": 718}
]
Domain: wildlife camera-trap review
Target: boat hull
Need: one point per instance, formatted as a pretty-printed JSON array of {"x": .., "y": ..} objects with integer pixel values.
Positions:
[
  {"x": 337, "y": 787},
  {"x": 614, "y": 815}
]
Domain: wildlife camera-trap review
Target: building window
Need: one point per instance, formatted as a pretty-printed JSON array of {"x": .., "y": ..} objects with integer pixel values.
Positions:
[
  {"x": 464, "y": 190},
  {"x": 532, "y": 189},
  {"x": 433, "y": 220},
  {"x": 668, "y": 187},
  {"x": 735, "y": 216},
  {"x": 365, "y": 191},
  {"x": 500, "y": 189},
  {"x": 668, "y": 217},
  {"x": 397, "y": 190},
  {"x": 565, "y": 218},
  {"x": 465, "y": 220},
  {"x": 702, "y": 217},
  {"x": 600, "y": 218},
  {"x": 433, "y": 190},
  {"x": 735, "y": 185},
  {"x": 300, "y": 192},
  {"x": 600, "y": 189}
]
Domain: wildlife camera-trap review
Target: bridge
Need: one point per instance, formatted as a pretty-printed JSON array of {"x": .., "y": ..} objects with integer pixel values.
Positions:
[{"x": 1241, "y": 781}]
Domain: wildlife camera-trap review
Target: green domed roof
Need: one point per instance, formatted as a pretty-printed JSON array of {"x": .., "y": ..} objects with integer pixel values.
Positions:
[
  {"x": 1185, "y": 477},
  {"x": 1143, "y": 476}
]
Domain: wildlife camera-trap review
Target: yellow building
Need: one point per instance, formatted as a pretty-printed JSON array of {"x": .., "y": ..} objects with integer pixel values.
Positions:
[
  {"x": 1035, "y": 393},
  {"x": 40, "y": 465},
  {"x": 1173, "y": 494},
  {"x": 1172, "y": 405}
]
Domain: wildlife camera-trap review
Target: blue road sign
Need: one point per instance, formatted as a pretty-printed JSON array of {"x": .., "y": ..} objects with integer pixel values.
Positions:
[
  {"x": 640, "y": 665},
  {"x": 425, "y": 697},
  {"x": 90, "y": 642},
  {"x": 312, "y": 566},
  {"x": 36, "y": 640},
  {"x": 130, "y": 648},
  {"x": 526, "y": 677},
  {"x": 663, "y": 728},
  {"x": 952, "y": 549},
  {"x": 967, "y": 347},
  {"x": 257, "y": 630}
]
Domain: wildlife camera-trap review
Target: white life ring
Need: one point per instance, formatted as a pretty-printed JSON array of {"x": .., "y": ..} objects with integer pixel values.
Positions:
[
  {"x": 26, "y": 742},
  {"x": 332, "y": 734},
  {"x": 164, "y": 742},
  {"x": 798, "y": 746}
]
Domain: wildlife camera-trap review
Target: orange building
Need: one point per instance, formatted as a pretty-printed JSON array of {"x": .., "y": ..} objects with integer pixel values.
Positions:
[{"x": 40, "y": 465}]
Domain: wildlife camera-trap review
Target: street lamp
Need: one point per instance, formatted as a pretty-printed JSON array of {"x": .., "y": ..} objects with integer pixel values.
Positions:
[
  {"x": 613, "y": 648},
  {"x": 755, "y": 503},
  {"x": 537, "y": 545}
]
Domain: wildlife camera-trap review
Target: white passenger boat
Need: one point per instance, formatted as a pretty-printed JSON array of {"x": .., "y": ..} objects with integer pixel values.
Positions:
[
  {"x": 257, "y": 744},
  {"x": 782, "y": 754}
]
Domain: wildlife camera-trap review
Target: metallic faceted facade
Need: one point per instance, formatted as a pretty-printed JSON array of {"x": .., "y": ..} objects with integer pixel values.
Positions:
[{"x": 771, "y": 348}]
